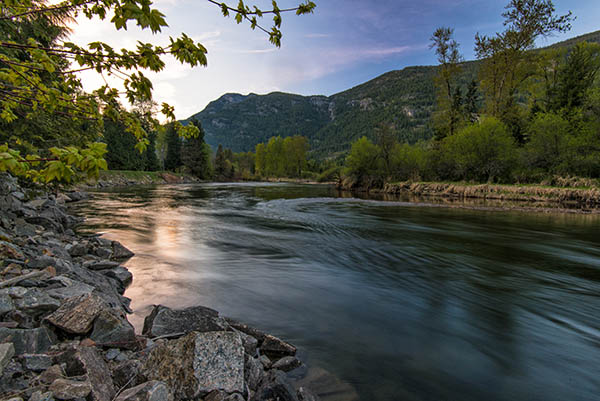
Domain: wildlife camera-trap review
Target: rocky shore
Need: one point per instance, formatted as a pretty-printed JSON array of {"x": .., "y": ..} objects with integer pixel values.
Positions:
[{"x": 64, "y": 333}]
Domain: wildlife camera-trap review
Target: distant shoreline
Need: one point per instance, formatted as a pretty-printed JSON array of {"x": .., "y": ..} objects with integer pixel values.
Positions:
[{"x": 527, "y": 198}]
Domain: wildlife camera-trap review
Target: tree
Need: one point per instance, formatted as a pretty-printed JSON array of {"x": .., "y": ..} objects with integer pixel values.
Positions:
[
  {"x": 173, "y": 158},
  {"x": 121, "y": 154},
  {"x": 28, "y": 77},
  {"x": 295, "y": 149},
  {"x": 222, "y": 167},
  {"x": 195, "y": 154},
  {"x": 275, "y": 157},
  {"x": 576, "y": 77},
  {"x": 447, "y": 115},
  {"x": 483, "y": 151},
  {"x": 363, "y": 161},
  {"x": 507, "y": 59},
  {"x": 260, "y": 165}
]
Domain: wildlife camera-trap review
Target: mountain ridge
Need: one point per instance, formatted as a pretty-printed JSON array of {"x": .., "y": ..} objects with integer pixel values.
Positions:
[{"x": 403, "y": 99}]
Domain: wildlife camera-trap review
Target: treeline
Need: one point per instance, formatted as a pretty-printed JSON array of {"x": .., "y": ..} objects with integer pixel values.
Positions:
[
  {"x": 529, "y": 116},
  {"x": 278, "y": 158}
]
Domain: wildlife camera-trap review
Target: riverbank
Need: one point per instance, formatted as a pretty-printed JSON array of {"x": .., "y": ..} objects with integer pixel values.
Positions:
[
  {"x": 122, "y": 178},
  {"x": 572, "y": 196},
  {"x": 64, "y": 332}
]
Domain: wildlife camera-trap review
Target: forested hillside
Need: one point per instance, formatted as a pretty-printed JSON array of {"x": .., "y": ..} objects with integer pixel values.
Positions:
[{"x": 402, "y": 99}]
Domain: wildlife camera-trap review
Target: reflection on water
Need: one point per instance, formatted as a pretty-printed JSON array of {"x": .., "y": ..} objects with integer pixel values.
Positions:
[{"x": 401, "y": 302}]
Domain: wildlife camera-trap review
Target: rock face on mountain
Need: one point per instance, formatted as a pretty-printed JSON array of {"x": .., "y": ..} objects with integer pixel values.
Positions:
[
  {"x": 403, "y": 99},
  {"x": 64, "y": 333}
]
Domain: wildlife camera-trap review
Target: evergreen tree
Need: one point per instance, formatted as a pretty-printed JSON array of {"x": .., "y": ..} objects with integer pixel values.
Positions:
[
  {"x": 152, "y": 163},
  {"x": 173, "y": 158},
  {"x": 221, "y": 167},
  {"x": 121, "y": 154},
  {"x": 195, "y": 154}
]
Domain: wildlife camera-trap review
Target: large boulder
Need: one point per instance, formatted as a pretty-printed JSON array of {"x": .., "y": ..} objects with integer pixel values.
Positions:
[
  {"x": 36, "y": 302},
  {"x": 119, "y": 252},
  {"x": 275, "y": 386},
  {"x": 149, "y": 391},
  {"x": 114, "y": 331},
  {"x": 77, "y": 314},
  {"x": 87, "y": 362},
  {"x": 164, "y": 321},
  {"x": 28, "y": 341},
  {"x": 199, "y": 363},
  {"x": 273, "y": 346}
]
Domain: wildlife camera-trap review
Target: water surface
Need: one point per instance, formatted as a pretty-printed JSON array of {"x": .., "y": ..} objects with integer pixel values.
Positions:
[{"x": 399, "y": 301}]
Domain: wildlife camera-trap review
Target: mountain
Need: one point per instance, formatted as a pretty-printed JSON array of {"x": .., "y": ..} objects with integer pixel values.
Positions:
[{"x": 405, "y": 99}]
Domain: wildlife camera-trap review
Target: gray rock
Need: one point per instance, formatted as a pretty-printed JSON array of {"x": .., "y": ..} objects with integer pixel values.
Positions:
[
  {"x": 112, "y": 353},
  {"x": 250, "y": 343},
  {"x": 39, "y": 396},
  {"x": 14, "y": 379},
  {"x": 101, "y": 265},
  {"x": 198, "y": 364},
  {"x": 149, "y": 391},
  {"x": 78, "y": 196},
  {"x": 253, "y": 373},
  {"x": 77, "y": 314},
  {"x": 244, "y": 328},
  {"x": 103, "y": 252},
  {"x": 70, "y": 289},
  {"x": 121, "y": 275},
  {"x": 36, "y": 362},
  {"x": 6, "y": 304},
  {"x": 36, "y": 302},
  {"x": 78, "y": 249},
  {"x": 52, "y": 373},
  {"x": 113, "y": 331},
  {"x": 163, "y": 320},
  {"x": 46, "y": 222},
  {"x": 41, "y": 262},
  {"x": 235, "y": 397},
  {"x": 265, "y": 361},
  {"x": 126, "y": 373},
  {"x": 272, "y": 345},
  {"x": 25, "y": 230},
  {"x": 64, "y": 389},
  {"x": 86, "y": 361},
  {"x": 119, "y": 252},
  {"x": 105, "y": 287},
  {"x": 305, "y": 394},
  {"x": 28, "y": 341},
  {"x": 275, "y": 386},
  {"x": 7, "y": 351},
  {"x": 287, "y": 363}
]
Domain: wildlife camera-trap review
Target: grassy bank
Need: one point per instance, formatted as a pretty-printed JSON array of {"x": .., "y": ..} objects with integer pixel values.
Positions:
[
  {"x": 124, "y": 178},
  {"x": 584, "y": 196}
]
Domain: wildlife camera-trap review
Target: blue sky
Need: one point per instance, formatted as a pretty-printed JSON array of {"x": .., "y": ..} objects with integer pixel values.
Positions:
[{"x": 343, "y": 44}]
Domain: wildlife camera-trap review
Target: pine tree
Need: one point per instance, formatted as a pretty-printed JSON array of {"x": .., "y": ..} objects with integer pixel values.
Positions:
[
  {"x": 173, "y": 158},
  {"x": 195, "y": 154}
]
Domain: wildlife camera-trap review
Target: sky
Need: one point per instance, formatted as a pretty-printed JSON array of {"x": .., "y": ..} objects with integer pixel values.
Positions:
[{"x": 343, "y": 44}]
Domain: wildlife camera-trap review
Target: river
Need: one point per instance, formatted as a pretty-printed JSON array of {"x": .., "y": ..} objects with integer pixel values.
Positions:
[{"x": 385, "y": 300}]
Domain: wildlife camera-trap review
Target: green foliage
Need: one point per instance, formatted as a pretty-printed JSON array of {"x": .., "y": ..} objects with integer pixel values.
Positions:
[
  {"x": 548, "y": 143},
  {"x": 195, "y": 155},
  {"x": 38, "y": 71},
  {"x": 363, "y": 162},
  {"x": 483, "y": 151},
  {"x": 121, "y": 153},
  {"x": 410, "y": 162},
  {"x": 173, "y": 157}
]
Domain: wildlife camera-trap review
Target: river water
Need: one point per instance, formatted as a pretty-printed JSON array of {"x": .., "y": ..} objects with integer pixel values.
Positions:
[{"x": 385, "y": 300}]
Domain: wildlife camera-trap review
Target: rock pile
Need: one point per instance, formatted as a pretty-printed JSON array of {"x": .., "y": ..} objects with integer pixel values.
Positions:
[{"x": 64, "y": 333}]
